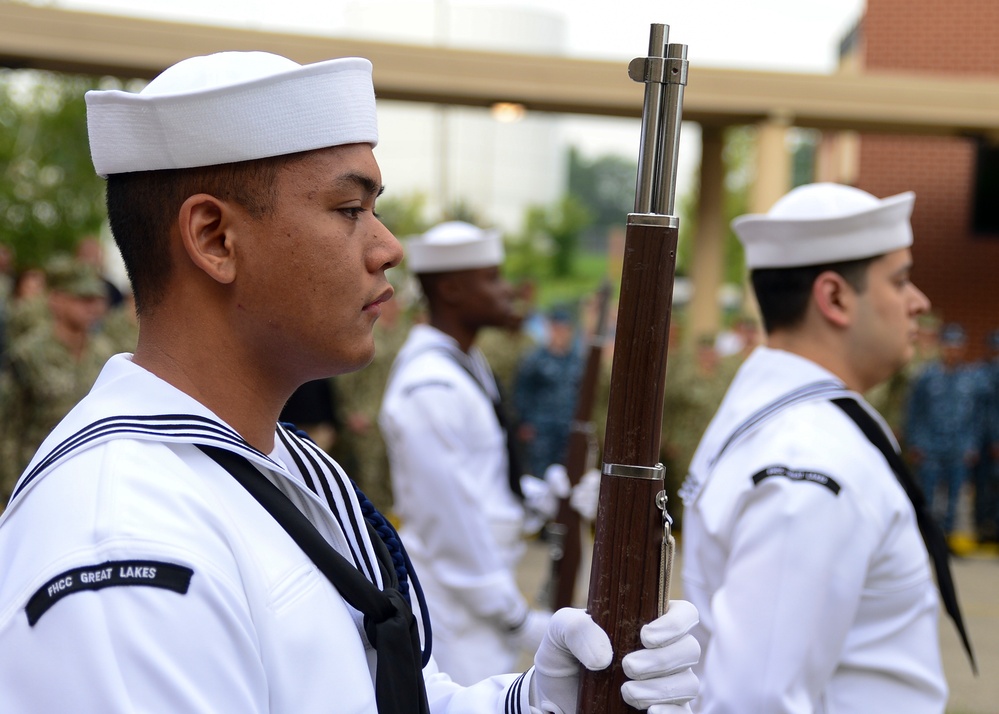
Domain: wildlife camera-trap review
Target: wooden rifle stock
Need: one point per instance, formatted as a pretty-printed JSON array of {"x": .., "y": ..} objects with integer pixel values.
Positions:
[
  {"x": 564, "y": 530},
  {"x": 632, "y": 554}
]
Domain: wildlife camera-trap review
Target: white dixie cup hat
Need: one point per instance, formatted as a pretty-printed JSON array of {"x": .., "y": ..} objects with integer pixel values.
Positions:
[
  {"x": 229, "y": 107},
  {"x": 823, "y": 223},
  {"x": 454, "y": 245}
]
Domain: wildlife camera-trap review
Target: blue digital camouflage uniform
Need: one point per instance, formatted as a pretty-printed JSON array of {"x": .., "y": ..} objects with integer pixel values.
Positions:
[
  {"x": 545, "y": 393},
  {"x": 986, "y": 471},
  {"x": 944, "y": 422}
]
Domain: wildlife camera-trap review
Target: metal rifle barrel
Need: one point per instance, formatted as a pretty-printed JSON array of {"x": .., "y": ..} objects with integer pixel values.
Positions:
[{"x": 632, "y": 555}]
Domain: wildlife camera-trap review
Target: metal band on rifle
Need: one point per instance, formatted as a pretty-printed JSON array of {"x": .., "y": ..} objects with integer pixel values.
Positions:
[
  {"x": 653, "y": 473},
  {"x": 653, "y": 219}
]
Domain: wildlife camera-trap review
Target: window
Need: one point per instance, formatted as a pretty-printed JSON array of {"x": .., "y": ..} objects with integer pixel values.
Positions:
[{"x": 985, "y": 205}]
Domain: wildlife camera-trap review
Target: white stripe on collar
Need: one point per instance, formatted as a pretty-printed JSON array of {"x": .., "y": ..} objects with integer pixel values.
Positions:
[{"x": 321, "y": 474}]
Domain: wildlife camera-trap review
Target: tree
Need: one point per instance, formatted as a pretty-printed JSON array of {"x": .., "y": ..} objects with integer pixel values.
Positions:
[
  {"x": 558, "y": 226},
  {"x": 605, "y": 186},
  {"x": 404, "y": 215},
  {"x": 49, "y": 193},
  {"x": 462, "y": 210}
]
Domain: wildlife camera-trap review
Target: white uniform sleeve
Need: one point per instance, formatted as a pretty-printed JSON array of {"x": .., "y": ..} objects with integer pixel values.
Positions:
[
  {"x": 502, "y": 694},
  {"x": 792, "y": 585},
  {"x": 135, "y": 648},
  {"x": 447, "y": 513}
]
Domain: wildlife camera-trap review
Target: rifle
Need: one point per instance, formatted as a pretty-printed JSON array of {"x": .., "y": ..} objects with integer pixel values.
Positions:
[
  {"x": 563, "y": 531},
  {"x": 633, "y": 546}
]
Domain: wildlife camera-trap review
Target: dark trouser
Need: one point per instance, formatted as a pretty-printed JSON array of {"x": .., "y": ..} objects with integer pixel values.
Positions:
[
  {"x": 985, "y": 476},
  {"x": 942, "y": 475}
]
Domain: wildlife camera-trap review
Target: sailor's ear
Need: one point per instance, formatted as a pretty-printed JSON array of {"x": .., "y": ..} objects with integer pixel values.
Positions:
[
  {"x": 209, "y": 229},
  {"x": 834, "y": 298}
]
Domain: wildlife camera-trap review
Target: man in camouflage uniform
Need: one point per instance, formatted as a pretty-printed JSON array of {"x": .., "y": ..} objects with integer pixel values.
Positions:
[
  {"x": 52, "y": 366},
  {"x": 121, "y": 324},
  {"x": 695, "y": 385},
  {"x": 27, "y": 307},
  {"x": 889, "y": 398}
]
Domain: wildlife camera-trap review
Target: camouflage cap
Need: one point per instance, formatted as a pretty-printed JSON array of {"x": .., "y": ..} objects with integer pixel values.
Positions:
[{"x": 67, "y": 275}]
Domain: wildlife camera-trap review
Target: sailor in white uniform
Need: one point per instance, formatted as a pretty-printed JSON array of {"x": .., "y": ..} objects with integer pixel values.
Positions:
[
  {"x": 464, "y": 503},
  {"x": 171, "y": 548},
  {"x": 800, "y": 547}
]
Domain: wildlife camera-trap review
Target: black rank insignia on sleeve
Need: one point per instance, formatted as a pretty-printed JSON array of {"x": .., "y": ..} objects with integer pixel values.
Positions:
[
  {"x": 150, "y": 573},
  {"x": 797, "y": 475}
]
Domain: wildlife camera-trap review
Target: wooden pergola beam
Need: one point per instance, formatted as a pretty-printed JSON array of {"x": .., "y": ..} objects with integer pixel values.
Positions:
[{"x": 91, "y": 43}]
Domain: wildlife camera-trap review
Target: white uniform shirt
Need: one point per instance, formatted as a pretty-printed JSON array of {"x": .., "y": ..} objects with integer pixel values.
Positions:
[
  {"x": 461, "y": 523},
  {"x": 259, "y": 628},
  {"x": 802, "y": 555}
]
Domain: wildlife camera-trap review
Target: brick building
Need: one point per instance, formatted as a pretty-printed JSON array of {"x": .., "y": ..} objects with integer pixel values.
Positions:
[{"x": 956, "y": 180}]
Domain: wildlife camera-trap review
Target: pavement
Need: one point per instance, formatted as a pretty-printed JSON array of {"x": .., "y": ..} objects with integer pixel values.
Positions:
[{"x": 976, "y": 574}]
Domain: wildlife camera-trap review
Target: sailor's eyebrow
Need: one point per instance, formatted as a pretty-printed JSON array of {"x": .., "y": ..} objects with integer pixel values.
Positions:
[{"x": 365, "y": 182}]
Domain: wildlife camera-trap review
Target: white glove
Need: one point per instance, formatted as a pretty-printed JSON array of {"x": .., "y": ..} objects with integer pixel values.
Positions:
[
  {"x": 664, "y": 682},
  {"x": 542, "y": 496},
  {"x": 573, "y": 638},
  {"x": 586, "y": 495},
  {"x": 528, "y": 635},
  {"x": 558, "y": 480}
]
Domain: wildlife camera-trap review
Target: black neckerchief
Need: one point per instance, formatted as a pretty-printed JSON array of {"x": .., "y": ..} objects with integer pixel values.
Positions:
[
  {"x": 933, "y": 536},
  {"x": 388, "y": 621}
]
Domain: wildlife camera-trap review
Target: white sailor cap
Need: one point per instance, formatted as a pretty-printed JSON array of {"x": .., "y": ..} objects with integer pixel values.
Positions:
[
  {"x": 229, "y": 107},
  {"x": 825, "y": 223},
  {"x": 454, "y": 245}
]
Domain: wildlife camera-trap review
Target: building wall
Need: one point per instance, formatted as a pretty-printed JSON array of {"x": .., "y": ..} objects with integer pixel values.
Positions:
[
  {"x": 462, "y": 154},
  {"x": 942, "y": 37},
  {"x": 954, "y": 267}
]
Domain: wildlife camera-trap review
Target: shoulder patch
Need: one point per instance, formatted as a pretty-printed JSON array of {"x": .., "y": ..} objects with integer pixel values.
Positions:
[
  {"x": 153, "y": 573},
  {"x": 797, "y": 475}
]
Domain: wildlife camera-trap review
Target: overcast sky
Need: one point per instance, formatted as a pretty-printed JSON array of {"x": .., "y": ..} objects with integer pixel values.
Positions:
[{"x": 792, "y": 35}]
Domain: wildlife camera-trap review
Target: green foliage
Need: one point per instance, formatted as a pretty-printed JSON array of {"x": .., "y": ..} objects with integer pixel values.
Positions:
[
  {"x": 404, "y": 215},
  {"x": 558, "y": 228},
  {"x": 49, "y": 194},
  {"x": 687, "y": 211},
  {"x": 525, "y": 259},
  {"x": 562, "y": 247},
  {"x": 803, "y": 149},
  {"x": 738, "y": 160},
  {"x": 563, "y": 276},
  {"x": 605, "y": 185},
  {"x": 462, "y": 210},
  {"x": 590, "y": 271}
]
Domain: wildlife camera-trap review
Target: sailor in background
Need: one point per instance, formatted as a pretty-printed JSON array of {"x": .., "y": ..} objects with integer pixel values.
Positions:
[
  {"x": 946, "y": 420},
  {"x": 459, "y": 490},
  {"x": 171, "y": 547},
  {"x": 801, "y": 548}
]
